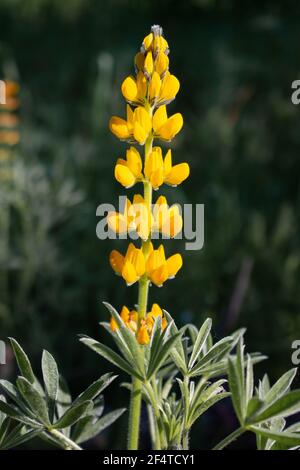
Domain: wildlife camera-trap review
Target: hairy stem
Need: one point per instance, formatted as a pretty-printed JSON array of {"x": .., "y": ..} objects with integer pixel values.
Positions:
[
  {"x": 67, "y": 443},
  {"x": 232, "y": 437}
]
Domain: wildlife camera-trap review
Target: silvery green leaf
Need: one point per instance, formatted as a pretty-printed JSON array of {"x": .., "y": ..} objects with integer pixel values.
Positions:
[
  {"x": 162, "y": 355},
  {"x": 249, "y": 380},
  {"x": 200, "y": 341},
  {"x": 20, "y": 438},
  {"x": 3, "y": 430},
  {"x": 14, "y": 394},
  {"x": 51, "y": 380},
  {"x": 34, "y": 400},
  {"x": 96, "y": 428},
  {"x": 95, "y": 388},
  {"x": 206, "y": 405},
  {"x": 237, "y": 392},
  {"x": 72, "y": 415},
  {"x": 110, "y": 355},
  {"x": 22, "y": 361},
  {"x": 281, "y": 386},
  {"x": 15, "y": 413},
  {"x": 283, "y": 438},
  {"x": 285, "y": 406}
]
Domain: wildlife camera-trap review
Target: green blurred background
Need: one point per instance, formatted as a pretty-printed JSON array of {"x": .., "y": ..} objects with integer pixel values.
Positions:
[{"x": 236, "y": 62}]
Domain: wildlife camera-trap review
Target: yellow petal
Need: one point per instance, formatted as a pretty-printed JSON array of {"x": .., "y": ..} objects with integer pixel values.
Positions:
[
  {"x": 159, "y": 118},
  {"x": 130, "y": 115},
  {"x": 153, "y": 162},
  {"x": 178, "y": 174},
  {"x": 172, "y": 223},
  {"x": 168, "y": 162},
  {"x": 142, "y": 125},
  {"x": 156, "y": 311},
  {"x": 169, "y": 88},
  {"x": 142, "y": 85},
  {"x": 124, "y": 314},
  {"x": 116, "y": 261},
  {"x": 117, "y": 222},
  {"x": 159, "y": 276},
  {"x": 139, "y": 262},
  {"x": 139, "y": 60},
  {"x": 148, "y": 64},
  {"x": 161, "y": 63},
  {"x": 157, "y": 178},
  {"x": 143, "y": 336},
  {"x": 174, "y": 263},
  {"x": 124, "y": 176},
  {"x": 113, "y": 324},
  {"x": 154, "y": 86},
  {"x": 119, "y": 127},
  {"x": 129, "y": 89},
  {"x": 134, "y": 162},
  {"x": 171, "y": 127},
  {"x": 129, "y": 273},
  {"x": 147, "y": 42},
  {"x": 141, "y": 116},
  {"x": 139, "y": 133}
]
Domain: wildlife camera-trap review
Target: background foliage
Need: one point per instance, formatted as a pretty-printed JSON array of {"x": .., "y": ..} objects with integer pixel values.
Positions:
[{"x": 236, "y": 61}]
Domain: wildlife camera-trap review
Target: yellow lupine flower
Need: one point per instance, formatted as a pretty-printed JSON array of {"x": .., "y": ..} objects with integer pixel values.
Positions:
[
  {"x": 158, "y": 170},
  {"x": 166, "y": 220},
  {"x": 130, "y": 318},
  {"x": 159, "y": 269},
  {"x": 129, "y": 171},
  {"x": 135, "y": 90},
  {"x": 136, "y": 217},
  {"x": 143, "y": 335},
  {"x": 131, "y": 266},
  {"x": 135, "y": 129},
  {"x": 135, "y": 264},
  {"x": 166, "y": 128},
  {"x": 155, "y": 312}
]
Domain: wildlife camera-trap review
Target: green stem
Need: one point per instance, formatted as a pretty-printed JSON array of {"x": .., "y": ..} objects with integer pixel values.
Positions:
[
  {"x": 136, "y": 392},
  {"x": 67, "y": 443},
  {"x": 135, "y": 414},
  {"x": 232, "y": 437},
  {"x": 185, "y": 440}
]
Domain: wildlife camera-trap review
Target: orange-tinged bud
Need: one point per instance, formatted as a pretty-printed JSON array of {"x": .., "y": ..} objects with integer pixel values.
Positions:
[{"x": 143, "y": 335}]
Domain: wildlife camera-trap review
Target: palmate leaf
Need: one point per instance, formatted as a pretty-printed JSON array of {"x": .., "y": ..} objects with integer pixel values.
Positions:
[
  {"x": 284, "y": 438},
  {"x": 110, "y": 355},
  {"x": 216, "y": 353},
  {"x": 161, "y": 355},
  {"x": 19, "y": 436},
  {"x": 284, "y": 406},
  {"x": 177, "y": 353},
  {"x": 90, "y": 429},
  {"x": 15, "y": 413}
]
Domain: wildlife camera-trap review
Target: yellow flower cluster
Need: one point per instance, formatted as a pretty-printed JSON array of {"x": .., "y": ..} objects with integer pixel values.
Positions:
[
  {"x": 147, "y": 93},
  {"x": 136, "y": 263},
  {"x": 130, "y": 318},
  {"x": 157, "y": 170},
  {"x": 138, "y": 217}
]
